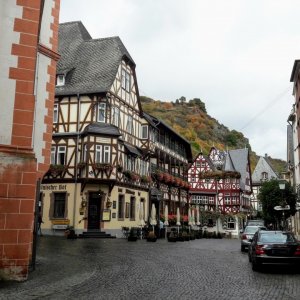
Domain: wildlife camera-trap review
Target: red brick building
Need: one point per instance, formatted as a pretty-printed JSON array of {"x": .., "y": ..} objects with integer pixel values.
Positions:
[{"x": 28, "y": 52}]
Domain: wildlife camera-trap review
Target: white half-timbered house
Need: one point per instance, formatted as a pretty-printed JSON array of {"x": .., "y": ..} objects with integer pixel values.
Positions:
[
  {"x": 103, "y": 144},
  {"x": 220, "y": 185},
  {"x": 262, "y": 172}
]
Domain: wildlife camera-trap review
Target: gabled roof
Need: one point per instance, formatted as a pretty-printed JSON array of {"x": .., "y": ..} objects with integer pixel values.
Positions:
[
  {"x": 240, "y": 160},
  {"x": 90, "y": 65},
  {"x": 263, "y": 165}
]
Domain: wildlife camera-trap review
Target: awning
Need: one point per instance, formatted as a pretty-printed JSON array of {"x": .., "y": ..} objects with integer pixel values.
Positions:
[{"x": 133, "y": 150}]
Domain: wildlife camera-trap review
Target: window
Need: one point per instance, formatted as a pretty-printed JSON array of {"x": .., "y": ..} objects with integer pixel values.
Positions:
[
  {"x": 197, "y": 164},
  {"x": 126, "y": 210},
  {"x": 130, "y": 163},
  {"x": 144, "y": 131},
  {"x": 132, "y": 208},
  {"x": 61, "y": 155},
  {"x": 129, "y": 127},
  {"x": 211, "y": 200},
  {"x": 121, "y": 207},
  {"x": 106, "y": 154},
  {"x": 115, "y": 116},
  {"x": 102, "y": 154},
  {"x": 55, "y": 113},
  {"x": 53, "y": 152},
  {"x": 227, "y": 199},
  {"x": 125, "y": 80},
  {"x": 98, "y": 154},
  {"x": 143, "y": 167},
  {"x": 230, "y": 223},
  {"x": 60, "y": 80},
  {"x": 264, "y": 176},
  {"x": 101, "y": 112},
  {"x": 59, "y": 205}
]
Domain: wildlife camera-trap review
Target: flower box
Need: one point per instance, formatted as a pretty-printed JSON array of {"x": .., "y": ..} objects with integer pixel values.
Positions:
[{"x": 102, "y": 167}]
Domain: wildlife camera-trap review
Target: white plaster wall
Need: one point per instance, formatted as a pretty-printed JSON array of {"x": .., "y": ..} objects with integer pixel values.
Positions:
[
  {"x": 47, "y": 19},
  {"x": 296, "y": 153},
  {"x": 8, "y": 12},
  {"x": 41, "y": 111}
]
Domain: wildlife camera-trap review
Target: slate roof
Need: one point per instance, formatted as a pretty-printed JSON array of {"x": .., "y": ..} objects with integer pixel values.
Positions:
[
  {"x": 263, "y": 165},
  {"x": 132, "y": 149},
  {"x": 239, "y": 160},
  {"x": 90, "y": 65},
  {"x": 101, "y": 128}
]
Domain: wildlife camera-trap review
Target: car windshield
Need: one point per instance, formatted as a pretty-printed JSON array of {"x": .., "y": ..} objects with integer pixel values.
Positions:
[
  {"x": 252, "y": 229},
  {"x": 276, "y": 237}
]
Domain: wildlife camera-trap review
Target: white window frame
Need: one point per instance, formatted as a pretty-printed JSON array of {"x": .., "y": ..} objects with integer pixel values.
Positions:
[
  {"x": 60, "y": 80},
  {"x": 227, "y": 199},
  {"x": 101, "y": 112},
  {"x": 98, "y": 154},
  {"x": 115, "y": 116},
  {"x": 61, "y": 150},
  {"x": 55, "y": 113},
  {"x": 106, "y": 154},
  {"x": 130, "y": 163},
  {"x": 125, "y": 80},
  {"x": 144, "y": 132},
  {"x": 102, "y": 154},
  {"x": 232, "y": 222},
  {"x": 53, "y": 155},
  {"x": 129, "y": 126}
]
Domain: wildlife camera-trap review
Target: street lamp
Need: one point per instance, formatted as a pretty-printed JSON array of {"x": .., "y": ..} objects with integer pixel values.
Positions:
[{"x": 283, "y": 205}]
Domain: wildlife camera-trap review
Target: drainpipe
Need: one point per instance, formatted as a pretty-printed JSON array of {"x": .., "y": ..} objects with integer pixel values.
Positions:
[{"x": 76, "y": 160}]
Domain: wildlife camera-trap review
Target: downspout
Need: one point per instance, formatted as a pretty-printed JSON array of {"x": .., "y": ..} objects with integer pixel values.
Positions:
[{"x": 76, "y": 159}]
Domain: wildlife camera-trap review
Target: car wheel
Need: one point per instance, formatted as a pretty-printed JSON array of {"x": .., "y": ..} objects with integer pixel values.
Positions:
[{"x": 242, "y": 248}]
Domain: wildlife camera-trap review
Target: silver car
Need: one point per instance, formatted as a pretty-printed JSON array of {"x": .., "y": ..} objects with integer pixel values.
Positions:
[{"x": 247, "y": 234}]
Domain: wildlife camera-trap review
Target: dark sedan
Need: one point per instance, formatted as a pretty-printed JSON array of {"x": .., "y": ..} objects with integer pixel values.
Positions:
[{"x": 273, "y": 247}]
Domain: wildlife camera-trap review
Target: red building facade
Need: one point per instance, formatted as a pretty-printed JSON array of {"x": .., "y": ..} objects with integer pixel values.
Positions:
[{"x": 28, "y": 53}]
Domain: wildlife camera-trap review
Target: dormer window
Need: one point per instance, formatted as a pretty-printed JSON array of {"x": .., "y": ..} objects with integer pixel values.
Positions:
[
  {"x": 264, "y": 176},
  {"x": 60, "y": 80}
]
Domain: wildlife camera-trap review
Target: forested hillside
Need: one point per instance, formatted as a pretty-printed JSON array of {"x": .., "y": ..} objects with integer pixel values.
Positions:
[{"x": 190, "y": 119}]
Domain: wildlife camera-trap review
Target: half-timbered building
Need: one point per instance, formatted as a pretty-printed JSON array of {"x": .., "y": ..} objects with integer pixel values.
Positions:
[
  {"x": 262, "y": 172},
  {"x": 220, "y": 185},
  {"x": 103, "y": 144}
]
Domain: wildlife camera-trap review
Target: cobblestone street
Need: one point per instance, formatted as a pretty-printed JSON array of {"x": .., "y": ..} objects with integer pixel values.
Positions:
[{"x": 117, "y": 269}]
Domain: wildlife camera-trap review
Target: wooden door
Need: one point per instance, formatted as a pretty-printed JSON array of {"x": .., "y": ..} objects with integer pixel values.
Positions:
[{"x": 94, "y": 211}]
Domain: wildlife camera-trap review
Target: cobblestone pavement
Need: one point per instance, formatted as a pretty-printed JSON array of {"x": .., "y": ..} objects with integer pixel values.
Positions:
[{"x": 117, "y": 269}]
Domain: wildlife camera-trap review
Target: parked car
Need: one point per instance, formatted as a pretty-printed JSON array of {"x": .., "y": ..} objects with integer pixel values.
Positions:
[
  {"x": 273, "y": 247},
  {"x": 255, "y": 223},
  {"x": 248, "y": 234}
]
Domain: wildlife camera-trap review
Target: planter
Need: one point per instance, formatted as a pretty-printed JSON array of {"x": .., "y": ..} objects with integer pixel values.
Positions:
[
  {"x": 132, "y": 237},
  {"x": 151, "y": 237}
]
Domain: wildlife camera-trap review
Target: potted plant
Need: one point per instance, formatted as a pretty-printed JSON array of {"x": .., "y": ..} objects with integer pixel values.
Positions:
[
  {"x": 56, "y": 169},
  {"x": 151, "y": 237},
  {"x": 172, "y": 236},
  {"x": 132, "y": 236}
]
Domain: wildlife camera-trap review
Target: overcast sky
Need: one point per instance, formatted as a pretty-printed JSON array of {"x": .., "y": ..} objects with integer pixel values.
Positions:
[{"x": 236, "y": 56}]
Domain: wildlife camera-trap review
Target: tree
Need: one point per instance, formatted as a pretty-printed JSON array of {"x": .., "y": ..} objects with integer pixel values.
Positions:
[
  {"x": 270, "y": 195},
  {"x": 182, "y": 99}
]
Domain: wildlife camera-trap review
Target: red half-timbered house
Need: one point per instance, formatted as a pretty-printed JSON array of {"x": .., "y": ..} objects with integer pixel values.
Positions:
[{"x": 220, "y": 184}]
